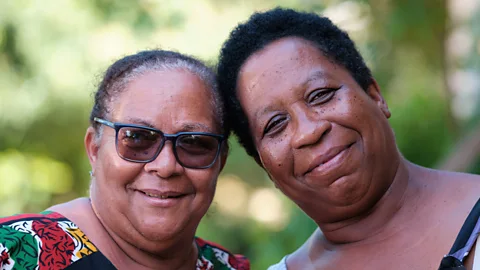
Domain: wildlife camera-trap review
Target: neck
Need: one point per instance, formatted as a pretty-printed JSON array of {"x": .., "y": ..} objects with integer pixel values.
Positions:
[
  {"x": 170, "y": 254},
  {"x": 379, "y": 221}
]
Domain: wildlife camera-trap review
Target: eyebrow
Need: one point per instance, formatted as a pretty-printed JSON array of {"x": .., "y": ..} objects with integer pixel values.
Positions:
[
  {"x": 317, "y": 74},
  {"x": 138, "y": 121},
  {"x": 184, "y": 127},
  {"x": 195, "y": 127}
]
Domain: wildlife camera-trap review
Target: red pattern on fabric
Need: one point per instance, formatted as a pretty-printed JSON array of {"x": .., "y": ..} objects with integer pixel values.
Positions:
[
  {"x": 52, "y": 215},
  {"x": 4, "y": 258},
  {"x": 203, "y": 264},
  {"x": 57, "y": 246},
  {"x": 203, "y": 243},
  {"x": 238, "y": 262}
]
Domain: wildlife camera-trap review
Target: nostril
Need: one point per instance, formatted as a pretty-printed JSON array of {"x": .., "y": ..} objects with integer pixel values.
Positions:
[{"x": 327, "y": 131}]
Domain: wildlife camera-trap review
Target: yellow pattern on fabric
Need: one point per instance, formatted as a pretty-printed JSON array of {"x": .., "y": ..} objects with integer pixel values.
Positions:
[{"x": 87, "y": 247}]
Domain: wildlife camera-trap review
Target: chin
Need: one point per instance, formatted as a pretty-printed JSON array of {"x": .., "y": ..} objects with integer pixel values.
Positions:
[
  {"x": 347, "y": 190},
  {"x": 161, "y": 230}
]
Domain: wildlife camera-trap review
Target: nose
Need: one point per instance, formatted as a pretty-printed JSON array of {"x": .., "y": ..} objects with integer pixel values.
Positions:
[
  {"x": 165, "y": 165},
  {"x": 309, "y": 128}
]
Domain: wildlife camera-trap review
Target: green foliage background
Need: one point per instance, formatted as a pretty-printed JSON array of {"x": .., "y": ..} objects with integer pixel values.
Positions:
[{"x": 424, "y": 55}]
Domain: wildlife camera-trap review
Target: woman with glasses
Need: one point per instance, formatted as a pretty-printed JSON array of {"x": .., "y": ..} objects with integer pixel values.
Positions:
[
  {"x": 305, "y": 105},
  {"x": 157, "y": 143}
]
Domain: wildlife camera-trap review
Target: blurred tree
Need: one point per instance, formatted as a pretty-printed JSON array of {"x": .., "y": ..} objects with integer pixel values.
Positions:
[{"x": 52, "y": 55}]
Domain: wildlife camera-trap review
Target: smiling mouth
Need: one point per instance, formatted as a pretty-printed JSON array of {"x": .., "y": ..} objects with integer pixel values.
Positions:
[
  {"x": 327, "y": 158},
  {"x": 162, "y": 196}
]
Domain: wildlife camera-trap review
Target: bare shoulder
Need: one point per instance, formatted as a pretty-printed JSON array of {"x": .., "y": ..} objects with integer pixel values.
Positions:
[
  {"x": 460, "y": 184},
  {"x": 468, "y": 177},
  {"x": 73, "y": 209},
  {"x": 78, "y": 211},
  {"x": 71, "y": 206}
]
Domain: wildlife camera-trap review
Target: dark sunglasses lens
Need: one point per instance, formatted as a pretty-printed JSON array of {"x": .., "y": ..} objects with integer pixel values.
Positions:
[
  {"x": 138, "y": 144},
  {"x": 196, "y": 151}
]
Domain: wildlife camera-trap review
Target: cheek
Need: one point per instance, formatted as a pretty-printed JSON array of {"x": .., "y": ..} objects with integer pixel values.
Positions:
[
  {"x": 203, "y": 181},
  {"x": 113, "y": 170},
  {"x": 277, "y": 159}
]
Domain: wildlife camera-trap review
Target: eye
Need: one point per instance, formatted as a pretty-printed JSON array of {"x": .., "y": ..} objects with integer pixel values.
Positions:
[
  {"x": 197, "y": 144},
  {"x": 320, "y": 96},
  {"x": 137, "y": 138},
  {"x": 275, "y": 124}
]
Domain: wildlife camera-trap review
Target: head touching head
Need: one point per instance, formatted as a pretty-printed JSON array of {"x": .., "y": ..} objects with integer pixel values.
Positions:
[
  {"x": 263, "y": 28},
  {"x": 126, "y": 69}
]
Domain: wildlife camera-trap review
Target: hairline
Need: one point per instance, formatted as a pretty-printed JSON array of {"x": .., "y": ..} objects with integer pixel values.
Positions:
[{"x": 207, "y": 77}]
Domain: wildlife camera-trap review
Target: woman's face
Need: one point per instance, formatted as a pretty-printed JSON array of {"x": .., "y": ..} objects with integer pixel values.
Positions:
[
  {"x": 160, "y": 200},
  {"x": 323, "y": 140}
]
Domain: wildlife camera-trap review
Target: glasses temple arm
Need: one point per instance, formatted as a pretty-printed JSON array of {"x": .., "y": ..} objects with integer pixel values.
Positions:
[{"x": 104, "y": 122}]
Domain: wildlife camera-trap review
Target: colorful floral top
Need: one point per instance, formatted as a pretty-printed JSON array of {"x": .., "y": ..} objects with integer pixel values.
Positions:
[{"x": 50, "y": 241}]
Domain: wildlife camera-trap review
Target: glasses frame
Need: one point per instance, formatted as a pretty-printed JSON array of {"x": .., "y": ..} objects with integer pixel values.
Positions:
[{"x": 166, "y": 137}]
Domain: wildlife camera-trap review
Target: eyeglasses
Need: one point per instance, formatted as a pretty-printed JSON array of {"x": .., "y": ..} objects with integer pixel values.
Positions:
[{"x": 196, "y": 150}]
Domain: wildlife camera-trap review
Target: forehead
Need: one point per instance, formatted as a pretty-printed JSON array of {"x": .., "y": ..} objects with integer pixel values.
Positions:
[
  {"x": 167, "y": 96},
  {"x": 284, "y": 60},
  {"x": 285, "y": 64}
]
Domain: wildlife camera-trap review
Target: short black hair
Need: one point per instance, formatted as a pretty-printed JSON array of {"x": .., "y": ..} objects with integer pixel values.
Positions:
[
  {"x": 114, "y": 80},
  {"x": 263, "y": 28}
]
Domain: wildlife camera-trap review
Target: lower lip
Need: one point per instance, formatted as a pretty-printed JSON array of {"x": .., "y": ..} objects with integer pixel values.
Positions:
[
  {"x": 332, "y": 164},
  {"x": 158, "y": 202}
]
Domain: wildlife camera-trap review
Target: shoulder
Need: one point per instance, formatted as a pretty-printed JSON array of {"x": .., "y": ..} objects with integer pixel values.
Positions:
[
  {"x": 48, "y": 237},
  {"x": 282, "y": 265},
  {"x": 455, "y": 188},
  {"x": 462, "y": 188},
  {"x": 47, "y": 215},
  {"x": 213, "y": 254},
  {"x": 463, "y": 178}
]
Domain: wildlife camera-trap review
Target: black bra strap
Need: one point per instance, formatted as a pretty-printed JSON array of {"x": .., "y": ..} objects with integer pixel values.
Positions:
[{"x": 467, "y": 229}]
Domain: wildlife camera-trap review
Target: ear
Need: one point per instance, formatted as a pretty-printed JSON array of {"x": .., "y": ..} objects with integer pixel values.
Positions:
[
  {"x": 224, "y": 154},
  {"x": 373, "y": 92},
  {"x": 91, "y": 146}
]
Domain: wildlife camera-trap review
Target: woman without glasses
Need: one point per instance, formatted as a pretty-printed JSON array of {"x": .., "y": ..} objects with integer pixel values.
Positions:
[
  {"x": 306, "y": 107},
  {"x": 155, "y": 157}
]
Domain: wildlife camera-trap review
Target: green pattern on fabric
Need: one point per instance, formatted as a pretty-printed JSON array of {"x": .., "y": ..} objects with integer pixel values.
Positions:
[
  {"x": 23, "y": 248},
  {"x": 210, "y": 255}
]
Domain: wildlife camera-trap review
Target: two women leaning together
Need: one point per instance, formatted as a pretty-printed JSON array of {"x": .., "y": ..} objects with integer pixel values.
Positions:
[{"x": 298, "y": 95}]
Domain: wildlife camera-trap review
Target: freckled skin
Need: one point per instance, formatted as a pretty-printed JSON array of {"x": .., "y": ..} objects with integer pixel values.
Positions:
[
  {"x": 342, "y": 129},
  {"x": 374, "y": 209}
]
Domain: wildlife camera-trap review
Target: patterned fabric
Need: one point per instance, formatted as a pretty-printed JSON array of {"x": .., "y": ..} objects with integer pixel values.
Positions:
[
  {"x": 41, "y": 241},
  {"x": 213, "y": 256},
  {"x": 50, "y": 241}
]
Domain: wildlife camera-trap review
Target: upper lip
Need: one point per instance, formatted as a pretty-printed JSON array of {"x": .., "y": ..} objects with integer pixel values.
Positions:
[
  {"x": 164, "y": 193},
  {"x": 326, "y": 156}
]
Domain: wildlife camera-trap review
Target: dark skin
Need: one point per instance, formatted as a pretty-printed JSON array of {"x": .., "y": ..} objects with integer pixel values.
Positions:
[
  {"x": 326, "y": 144},
  {"x": 134, "y": 230}
]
